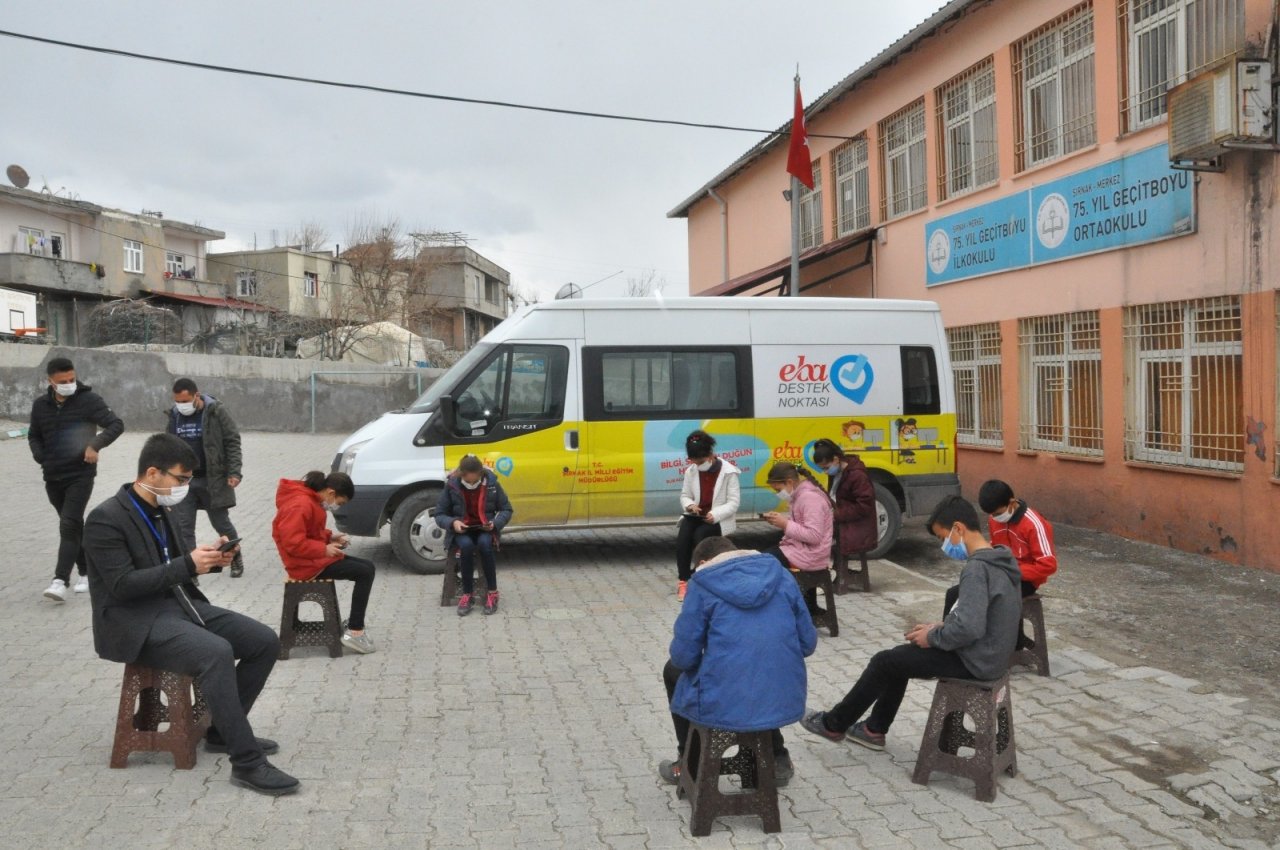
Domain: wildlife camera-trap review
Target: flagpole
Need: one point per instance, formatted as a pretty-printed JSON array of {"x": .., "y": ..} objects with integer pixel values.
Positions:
[{"x": 794, "y": 289}]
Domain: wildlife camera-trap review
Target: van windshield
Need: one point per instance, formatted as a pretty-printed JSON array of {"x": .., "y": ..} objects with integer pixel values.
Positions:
[{"x": 431, "y": 398}]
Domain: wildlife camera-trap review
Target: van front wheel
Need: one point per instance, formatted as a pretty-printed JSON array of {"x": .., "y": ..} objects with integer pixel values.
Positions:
[
  {"x": 888, "y": 521},
  {"x": 415, "y": 538}
]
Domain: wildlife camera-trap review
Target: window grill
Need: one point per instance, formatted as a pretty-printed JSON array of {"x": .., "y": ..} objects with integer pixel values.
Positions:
[
  {"x": 1184, "y": 405},
  {"x": 975, "y": 366},
  {"x": 811, "y": 212},
  {"x": 1169, "y": 41},
  {"x": 853, "y": 188},
  {"x": 1061, "y": 379},
  {"x": 902, "y": 162},
  {"x": 968, "y": 153},
  {"x": 1053, "y": 74}
]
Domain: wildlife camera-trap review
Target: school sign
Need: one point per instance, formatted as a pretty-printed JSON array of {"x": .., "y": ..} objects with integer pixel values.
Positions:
[{"x": 1125, "y": 202}]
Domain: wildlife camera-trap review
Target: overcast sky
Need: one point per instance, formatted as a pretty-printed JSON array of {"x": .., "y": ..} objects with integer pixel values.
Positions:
[{"x": 551, "y": 198}]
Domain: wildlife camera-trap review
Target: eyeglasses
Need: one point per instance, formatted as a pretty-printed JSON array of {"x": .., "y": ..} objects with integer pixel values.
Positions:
[{"x": 182, "y": 479}]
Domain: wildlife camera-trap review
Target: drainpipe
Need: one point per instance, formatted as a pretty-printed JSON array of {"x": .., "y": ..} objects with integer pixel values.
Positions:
[{"x": 724, "y": 234}]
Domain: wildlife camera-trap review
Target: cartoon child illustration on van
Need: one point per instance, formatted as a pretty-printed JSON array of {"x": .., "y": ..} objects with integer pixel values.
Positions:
[
  {"x": 907, "y": 438},
  {"x": 853, "y": 431}
]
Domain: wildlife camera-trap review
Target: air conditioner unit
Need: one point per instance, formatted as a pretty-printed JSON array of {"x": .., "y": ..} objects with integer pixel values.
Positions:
[{"x": 1226, "y": 107}]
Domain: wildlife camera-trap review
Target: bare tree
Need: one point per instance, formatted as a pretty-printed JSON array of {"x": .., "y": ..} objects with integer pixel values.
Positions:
[
  {"x": 644, "y": 285},
  {"x": 310, "y": 237},
  {"x": 522, "y": 295}
]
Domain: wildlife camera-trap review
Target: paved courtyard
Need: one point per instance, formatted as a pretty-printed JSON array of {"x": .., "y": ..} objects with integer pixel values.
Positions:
[{"x": 542, "y": 726}]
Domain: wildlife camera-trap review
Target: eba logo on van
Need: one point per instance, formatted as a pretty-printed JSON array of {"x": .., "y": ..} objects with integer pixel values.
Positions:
[{"x": 852, "y": 377}]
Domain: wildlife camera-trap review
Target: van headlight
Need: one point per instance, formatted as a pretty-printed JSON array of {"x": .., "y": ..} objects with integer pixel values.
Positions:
[{"x": 348, "y": 458}]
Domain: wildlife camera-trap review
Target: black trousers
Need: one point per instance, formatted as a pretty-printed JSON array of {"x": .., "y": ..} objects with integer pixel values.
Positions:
[
  {"x": 69, "y": 497},
  {"x": 361, "y": 572},
  {"x": 884, "y": 682},
  {"x": 670, "y": 675},
  {"x": 209, "y": 654},
  {"x": 692, "y": 531},
  {"x": 953, "y": 593},
  {"x": 198, "y": 499}
]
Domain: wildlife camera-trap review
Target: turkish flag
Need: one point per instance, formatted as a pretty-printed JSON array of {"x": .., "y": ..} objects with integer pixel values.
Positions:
[{"x": 798, "y": 164}]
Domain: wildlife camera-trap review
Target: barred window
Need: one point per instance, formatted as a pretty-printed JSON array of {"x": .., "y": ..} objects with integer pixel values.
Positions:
[
  {"x": 1061, "y": 383},
  {"x": 1185, "y": 404},
  {"x": 853, "y": 188},
  {"x": 975, "y": 367},
  {"x": 1053, "y": 70},
  {"x": 1169, "y": 41},
  {"x": 967, "y": 150},
  {"x": 902, "y": 162},
  {"x": 811, "y": 212}
]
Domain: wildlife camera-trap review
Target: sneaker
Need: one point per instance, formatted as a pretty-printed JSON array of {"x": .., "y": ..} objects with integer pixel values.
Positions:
[
  {"x": 357, "y": 643},
  {"x": 237, "y": 566},
  {"x": 860, "y": 734},
  {"x": 491, "y": 602},
  {"x": 670, "y": 772},
  {"x": 266, "y": 778},
  {"x": 783, "y": 770},
  {"x": 82, "y": 586},
  {"x": 466, "y": 602},
  {"x": 681, "y": 589},
  {"x": 57, "y": 591},
  {"x": 815, "y": 722}
]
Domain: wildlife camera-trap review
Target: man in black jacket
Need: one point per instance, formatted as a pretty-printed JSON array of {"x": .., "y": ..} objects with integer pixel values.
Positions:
[
  {"x": 65, "y": 441},
  {"x": 147, "y": 609}
]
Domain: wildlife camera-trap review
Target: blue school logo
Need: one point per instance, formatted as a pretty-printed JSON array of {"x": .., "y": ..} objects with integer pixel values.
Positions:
[
  {"x": 504, "y": 466},
  {"x": 852, "y": 377}
]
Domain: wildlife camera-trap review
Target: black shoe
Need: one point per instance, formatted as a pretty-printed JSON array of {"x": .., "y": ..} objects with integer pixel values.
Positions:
[
  {"x": 214, "y": 744},
  {"x": 783, "y": 770},
  {"x": 266, "y": 778},
  {"x": 237, "y": 566}
]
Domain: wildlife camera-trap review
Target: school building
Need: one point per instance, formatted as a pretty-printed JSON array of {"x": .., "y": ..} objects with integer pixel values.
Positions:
[{"x": 1088, "y": 191}]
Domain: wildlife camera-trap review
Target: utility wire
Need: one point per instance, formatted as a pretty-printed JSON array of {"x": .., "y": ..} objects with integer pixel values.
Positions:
[{"x": 226, "y": 69}]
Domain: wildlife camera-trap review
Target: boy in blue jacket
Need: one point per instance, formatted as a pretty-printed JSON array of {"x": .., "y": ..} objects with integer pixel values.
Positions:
[{"x": 737, "y": 656}]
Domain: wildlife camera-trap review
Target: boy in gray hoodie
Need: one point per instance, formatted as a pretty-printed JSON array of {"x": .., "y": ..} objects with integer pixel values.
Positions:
[{"x": 973, "y": 641}]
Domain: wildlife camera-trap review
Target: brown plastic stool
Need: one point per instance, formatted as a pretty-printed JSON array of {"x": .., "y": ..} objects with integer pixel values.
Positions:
[
  {"x": 295, "y": 632},
  {"x": 451, "y": 590},
  {"x": 842, "y": 571},
  {"x": 754, "y": 764},
  {"x": 1036, "y": 654},
  {"x": 821, "y": 579},
  {"x": 142, "y": 711},
  {"x": 990, "y": 705}
]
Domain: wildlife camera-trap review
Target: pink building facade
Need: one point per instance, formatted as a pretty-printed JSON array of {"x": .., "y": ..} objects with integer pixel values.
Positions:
[{"x": 1112, "y": 319}]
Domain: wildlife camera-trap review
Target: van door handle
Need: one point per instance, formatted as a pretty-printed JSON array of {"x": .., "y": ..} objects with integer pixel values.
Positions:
[{"x": 571, "y": 440}]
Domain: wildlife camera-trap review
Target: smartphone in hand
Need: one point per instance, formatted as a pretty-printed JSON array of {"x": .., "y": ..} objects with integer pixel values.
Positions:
[{"x": 229, "y": 545}]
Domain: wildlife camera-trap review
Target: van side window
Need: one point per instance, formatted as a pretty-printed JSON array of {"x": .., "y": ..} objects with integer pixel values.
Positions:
[
  {"x": 919, "y": 380},
  {"x": 667, "y": 383},
  {"x": 524, "y": 383}
]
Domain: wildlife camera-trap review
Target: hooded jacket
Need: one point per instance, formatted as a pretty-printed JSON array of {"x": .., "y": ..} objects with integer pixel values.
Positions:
[
  {"x": 300, "y": 531},
  {"x": 982, "y": 628},
  {"x": 806, "y": 541},
  {"x": 741, "y": 639},
  {"x": 452, "y": 505},
  {"x": 222, "y": 456},
  {"x": 1029, "y": 537},
  {"x": 59, "y": 433},
  {"x": 725, "y": 497},
  {"x": 855, "y": 508}
]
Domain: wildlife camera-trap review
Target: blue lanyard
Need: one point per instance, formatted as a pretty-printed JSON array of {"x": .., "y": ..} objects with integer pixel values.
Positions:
[{"x": 162, "y": 539}]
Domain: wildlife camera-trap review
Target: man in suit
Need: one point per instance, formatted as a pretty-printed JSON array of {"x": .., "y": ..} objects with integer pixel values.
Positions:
[{"x": 147, "y": 609}]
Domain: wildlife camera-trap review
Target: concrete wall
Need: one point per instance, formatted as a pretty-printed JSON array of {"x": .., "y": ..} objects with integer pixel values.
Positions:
[{"x": 262, "y": 394}]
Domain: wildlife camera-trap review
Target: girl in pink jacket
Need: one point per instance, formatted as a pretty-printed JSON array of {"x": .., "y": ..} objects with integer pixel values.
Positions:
[{"x": 806, "y": 531}]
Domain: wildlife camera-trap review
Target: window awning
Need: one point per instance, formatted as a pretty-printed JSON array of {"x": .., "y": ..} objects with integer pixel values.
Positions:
[
  {"x": 212, "y": 301},
  {"x": 782, "y": 268}
]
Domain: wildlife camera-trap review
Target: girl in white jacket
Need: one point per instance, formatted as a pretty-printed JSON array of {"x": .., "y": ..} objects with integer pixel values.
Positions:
[{"x": 709, "y": 500}]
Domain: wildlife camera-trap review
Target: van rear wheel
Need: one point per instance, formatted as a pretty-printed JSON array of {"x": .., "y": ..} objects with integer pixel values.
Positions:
[
  {"x": 415, "y": 538},
  {"x": 888, "y": 521}
]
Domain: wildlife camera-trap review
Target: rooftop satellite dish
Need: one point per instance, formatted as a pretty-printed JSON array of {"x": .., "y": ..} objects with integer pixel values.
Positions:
[
  {"x": 569, "y": 290},
  {"x": 18, "y": 176}
]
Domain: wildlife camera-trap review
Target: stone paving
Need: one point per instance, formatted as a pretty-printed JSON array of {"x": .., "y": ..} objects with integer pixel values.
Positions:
[{"x": 541, "y": 726}]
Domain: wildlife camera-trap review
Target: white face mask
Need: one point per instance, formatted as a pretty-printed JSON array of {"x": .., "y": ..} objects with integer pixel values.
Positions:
[
  {"x": 784, "y": 495},
  {"x": 328, "y": 507},
  {"x": 705, "y": 466},
  {"x": 471, "y": 485},
  {"x": 65, "y": 390},
  {"x": 186, "y": 408},
  {"x": 168, "y": 500},
  {"x": 1004, "y": 517}
]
